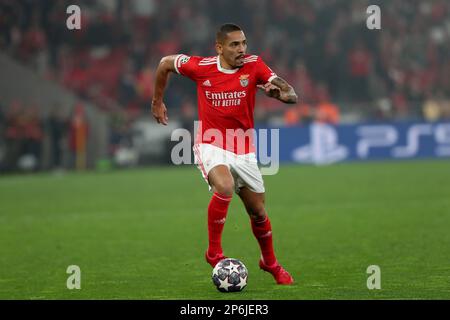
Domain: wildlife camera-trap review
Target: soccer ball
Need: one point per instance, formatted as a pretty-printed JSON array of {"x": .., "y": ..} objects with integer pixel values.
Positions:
[{"x": 230, "y": 275}]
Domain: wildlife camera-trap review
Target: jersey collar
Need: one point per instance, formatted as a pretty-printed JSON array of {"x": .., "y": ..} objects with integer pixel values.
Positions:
[{"x": 228, "y": 71}]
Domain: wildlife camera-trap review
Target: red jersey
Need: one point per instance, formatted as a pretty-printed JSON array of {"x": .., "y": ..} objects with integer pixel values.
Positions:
[{"x": 226, "y": 99}]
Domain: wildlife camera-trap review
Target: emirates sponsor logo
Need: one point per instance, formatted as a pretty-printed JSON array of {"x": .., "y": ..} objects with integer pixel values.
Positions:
[
  {"x": 226, "y": 95},
  {"x": 226, "y": 99}
]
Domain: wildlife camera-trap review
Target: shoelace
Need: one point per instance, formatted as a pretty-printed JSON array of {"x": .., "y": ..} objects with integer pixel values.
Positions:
[
  {"x": 281, "y": 272},
  {"x": 277, "y": 269}
]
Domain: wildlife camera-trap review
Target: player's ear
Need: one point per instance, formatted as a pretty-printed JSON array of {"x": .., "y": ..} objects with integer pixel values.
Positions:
[{"x": 219, "y": 48}]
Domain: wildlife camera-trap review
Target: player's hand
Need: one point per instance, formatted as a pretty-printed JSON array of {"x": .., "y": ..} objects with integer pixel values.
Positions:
[
  {"x": 159, "y": 112},
  {"x": 270, "y": 90}
]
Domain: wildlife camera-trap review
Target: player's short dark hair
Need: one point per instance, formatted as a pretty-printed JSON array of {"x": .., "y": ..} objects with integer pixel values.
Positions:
[{"x": 224, "y": 30}]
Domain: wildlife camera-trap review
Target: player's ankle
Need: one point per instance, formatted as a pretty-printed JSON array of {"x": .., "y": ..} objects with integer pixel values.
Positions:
[
  {"x": 273, "y": 262},
  {"x": 212, "y": 252}
]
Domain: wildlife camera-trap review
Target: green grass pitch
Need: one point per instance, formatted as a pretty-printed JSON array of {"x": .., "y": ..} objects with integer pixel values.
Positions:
[{"x": 141, "y": 234}]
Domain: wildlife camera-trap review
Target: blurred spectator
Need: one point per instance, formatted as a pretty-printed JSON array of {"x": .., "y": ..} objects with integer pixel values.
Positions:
[
  {"x": 78, "y": 137},
  {"x": 127, "y": 84},
  {"x": 120, "y": 134},
  {"x": 2, "y": 121},
  {"x": 326, "y": 111},
  {"x": 33, "y": 44},
  {"x": 302, "y": 81},
  {"x": 291, "y": 116},
  {"x": 300, "y": 114},
  {"x": 305, "y": 113},
  {"x": 359, "y": 65},
  {"x": 2, "y": 142},
  {"x": 436, "y": 107},
  {"x": 24, "y": 137},
  {"x": 144, "y": 83},
  {"x": 189, "y": 114},
  {"x": 445, "y": 104},
  {"x": 57, "y": 128},
  {"x": 13, "y": 135},
  {"x": 33, "y": 136},
  {"x": 431, "y": 109},
  {"x": 400, "y": 103}
]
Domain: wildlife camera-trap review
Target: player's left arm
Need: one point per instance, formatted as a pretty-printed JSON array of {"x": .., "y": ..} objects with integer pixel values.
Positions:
[{"x": 280, "y": 89}]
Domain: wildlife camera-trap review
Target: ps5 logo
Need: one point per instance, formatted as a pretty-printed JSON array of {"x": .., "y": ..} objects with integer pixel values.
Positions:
[
  {"x": 366, "y": 141},
  {"x": 324, "y": 147},
  {"x": 377, "y": 136}
]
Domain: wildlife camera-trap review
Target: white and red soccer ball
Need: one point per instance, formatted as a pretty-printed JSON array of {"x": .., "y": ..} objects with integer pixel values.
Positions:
[{"x": 230, "y": 275}]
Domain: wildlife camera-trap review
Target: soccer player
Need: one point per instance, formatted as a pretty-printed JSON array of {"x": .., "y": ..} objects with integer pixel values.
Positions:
[{"x": 226, "y": 88}]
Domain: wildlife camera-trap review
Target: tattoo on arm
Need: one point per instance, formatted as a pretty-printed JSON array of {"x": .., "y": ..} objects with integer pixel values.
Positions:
[
  {"x": 281, "y": 83},
  {"x": 287, "y": 94}
]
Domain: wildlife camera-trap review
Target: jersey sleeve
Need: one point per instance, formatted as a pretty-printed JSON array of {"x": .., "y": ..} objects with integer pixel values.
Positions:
[
  {"x": 187, "y": 66},
  {"x": 263, "y": 73}
]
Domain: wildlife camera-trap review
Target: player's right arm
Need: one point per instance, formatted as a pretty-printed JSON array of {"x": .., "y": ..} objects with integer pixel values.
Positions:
[{"x": 165, "y": 67}]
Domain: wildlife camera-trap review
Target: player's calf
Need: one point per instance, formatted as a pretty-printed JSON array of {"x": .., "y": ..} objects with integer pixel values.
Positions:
[{"x": 217, "y": 213}]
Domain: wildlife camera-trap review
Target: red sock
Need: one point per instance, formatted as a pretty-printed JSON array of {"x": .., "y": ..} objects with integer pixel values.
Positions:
[
  {"x": 217, "y": 212},
  {"x": 263, "y": 232}
]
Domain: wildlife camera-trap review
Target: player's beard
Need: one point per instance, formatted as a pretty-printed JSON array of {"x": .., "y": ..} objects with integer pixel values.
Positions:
[{"x": 239, "y": 61}]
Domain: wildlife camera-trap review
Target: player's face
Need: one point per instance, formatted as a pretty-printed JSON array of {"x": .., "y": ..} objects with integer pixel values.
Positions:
[{"x": 233, "y": 49}]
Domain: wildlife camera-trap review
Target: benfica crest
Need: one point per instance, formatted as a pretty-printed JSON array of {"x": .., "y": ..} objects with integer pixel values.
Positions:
[{"x": 244, "y": 80}]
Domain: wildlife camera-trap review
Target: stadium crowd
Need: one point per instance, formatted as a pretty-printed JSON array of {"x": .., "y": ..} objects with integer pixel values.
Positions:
[
  {"x": 322, "y": 47},
  {"x": 23, "y": 130}
]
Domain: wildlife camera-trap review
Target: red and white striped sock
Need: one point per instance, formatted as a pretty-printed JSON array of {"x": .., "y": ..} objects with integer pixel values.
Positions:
[
  {"x": 262, "y": 230},
  {"x": 217, "y": 213}
]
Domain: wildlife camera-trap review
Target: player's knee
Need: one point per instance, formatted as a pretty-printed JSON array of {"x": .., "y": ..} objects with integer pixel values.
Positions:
[
  {"x": 225, "y": 187},
  {"x": 257, "y": 213}
]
